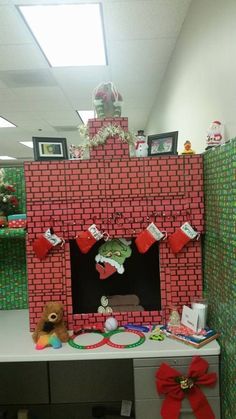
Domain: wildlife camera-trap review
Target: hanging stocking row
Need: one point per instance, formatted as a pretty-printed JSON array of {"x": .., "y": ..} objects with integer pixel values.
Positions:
[{"x": 144, "y": 240}]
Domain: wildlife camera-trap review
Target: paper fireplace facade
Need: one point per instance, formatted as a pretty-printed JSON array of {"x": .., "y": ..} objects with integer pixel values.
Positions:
[{"x": 72, "y": 195}]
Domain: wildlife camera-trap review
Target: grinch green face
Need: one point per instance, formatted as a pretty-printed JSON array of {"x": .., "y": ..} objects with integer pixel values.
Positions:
[{"x": 115, "y": 250}]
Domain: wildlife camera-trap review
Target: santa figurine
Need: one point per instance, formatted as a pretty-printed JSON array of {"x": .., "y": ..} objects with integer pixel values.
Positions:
[{"x": 215, "y": 134}]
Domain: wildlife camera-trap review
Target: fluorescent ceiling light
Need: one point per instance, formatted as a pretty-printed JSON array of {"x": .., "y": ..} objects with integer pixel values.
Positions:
[
  {"x": 5, "y": 124},
  {"x": 7, "y": 158},
  {"x": 85, "y": 115},
  {"x": 69, "y": 35},
  {"x": 27, "y": 143}
]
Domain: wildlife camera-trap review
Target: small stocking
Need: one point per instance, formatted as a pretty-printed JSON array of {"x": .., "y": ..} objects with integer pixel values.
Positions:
[
  {"x": 181, "y": 237},
  {"x": 86, "y": 239},
  {"x": 146, "y": 238},
  {"x": 45, "y": 242}
]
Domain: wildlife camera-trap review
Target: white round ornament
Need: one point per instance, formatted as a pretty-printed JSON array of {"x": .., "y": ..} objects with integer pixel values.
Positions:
[{"x": 111, "y": 324}]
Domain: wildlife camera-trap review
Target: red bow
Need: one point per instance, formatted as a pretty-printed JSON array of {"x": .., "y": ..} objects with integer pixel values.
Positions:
[{"x": 171, "y": 383}]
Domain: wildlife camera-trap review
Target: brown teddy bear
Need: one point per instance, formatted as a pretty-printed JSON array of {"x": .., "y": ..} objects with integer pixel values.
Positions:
[{"x": 51, "y": 330}]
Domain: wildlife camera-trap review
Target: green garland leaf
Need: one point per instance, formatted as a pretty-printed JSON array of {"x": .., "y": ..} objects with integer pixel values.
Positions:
[{"x": 104, "y": 133}]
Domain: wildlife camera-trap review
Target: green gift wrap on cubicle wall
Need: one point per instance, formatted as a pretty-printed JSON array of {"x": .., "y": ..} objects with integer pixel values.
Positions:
[
  {"x": 219, "y": 265},
  {"x": 13, "y": 273}
]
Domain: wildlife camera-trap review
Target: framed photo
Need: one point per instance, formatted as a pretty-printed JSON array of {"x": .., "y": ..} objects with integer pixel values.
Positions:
[
  {"x": 161, "y": 144},
  {"x": 46, "y": 148}
]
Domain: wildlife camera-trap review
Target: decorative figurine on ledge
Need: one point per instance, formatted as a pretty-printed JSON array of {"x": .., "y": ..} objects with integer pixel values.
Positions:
[
  {"x": 141, "y": 146},
  {"x": 188, "y": 148},
  {"x": 51, "y": 330},
  {"x": 215, "y": 134},
  {"x": 107, "y": 101}
]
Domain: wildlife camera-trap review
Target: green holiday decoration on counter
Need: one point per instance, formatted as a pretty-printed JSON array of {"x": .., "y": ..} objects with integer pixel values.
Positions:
[{"x": 106, "y": 339}]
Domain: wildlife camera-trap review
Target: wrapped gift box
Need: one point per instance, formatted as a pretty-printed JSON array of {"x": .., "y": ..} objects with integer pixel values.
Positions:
[
  {"x": 16, "y": 217},
  {"x": 17, "y": 221}
]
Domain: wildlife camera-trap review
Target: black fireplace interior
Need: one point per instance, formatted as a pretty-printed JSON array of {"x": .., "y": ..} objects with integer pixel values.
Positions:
[{"x": 141, "y": 278}]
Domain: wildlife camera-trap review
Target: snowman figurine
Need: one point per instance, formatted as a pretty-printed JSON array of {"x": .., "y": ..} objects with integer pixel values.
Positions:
[{"x": 141, "y": 147}]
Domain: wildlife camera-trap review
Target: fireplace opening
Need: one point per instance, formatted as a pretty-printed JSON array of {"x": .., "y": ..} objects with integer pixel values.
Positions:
[{"x": 136, "y": 289}]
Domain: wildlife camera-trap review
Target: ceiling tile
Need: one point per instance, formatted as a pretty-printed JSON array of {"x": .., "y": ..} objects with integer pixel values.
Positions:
[
  {"x": 127, "y": 62},
  {"x": 12, "y": 31},
  {"x": 144, "y": 19},
  {"x": 21, "y": 57}
]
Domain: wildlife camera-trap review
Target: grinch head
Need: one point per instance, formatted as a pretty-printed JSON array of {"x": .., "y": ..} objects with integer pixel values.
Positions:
[{"x": 111, "y": 257}]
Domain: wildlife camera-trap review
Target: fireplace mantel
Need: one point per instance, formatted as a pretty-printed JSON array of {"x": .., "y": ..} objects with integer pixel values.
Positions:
[{"x": 72, "y": 195}]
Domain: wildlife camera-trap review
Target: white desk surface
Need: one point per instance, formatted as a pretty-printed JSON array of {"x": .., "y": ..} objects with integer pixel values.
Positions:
[{"x": 17, "y": 345}]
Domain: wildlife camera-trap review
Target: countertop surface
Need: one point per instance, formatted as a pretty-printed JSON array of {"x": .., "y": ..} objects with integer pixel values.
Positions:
[{"x": 17, "y": 344}]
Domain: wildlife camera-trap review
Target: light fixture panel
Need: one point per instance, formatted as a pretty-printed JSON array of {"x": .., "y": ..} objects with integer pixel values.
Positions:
[
  {"x": 69, "y": 35},
  {"x": 27, "y": 143},
  {"x": 7, "y": 158},
  {"x": 85, "y": 115},
  {"x": 4, "y": 123}
]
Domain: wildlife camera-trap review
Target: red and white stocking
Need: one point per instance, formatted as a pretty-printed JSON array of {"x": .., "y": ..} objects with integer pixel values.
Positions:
[
  {"x": 181, "y": 237},
  {"x": 146, "y": 238},
  {"x": 86, "y": 239},
  {"x": 45, "y": 242}
]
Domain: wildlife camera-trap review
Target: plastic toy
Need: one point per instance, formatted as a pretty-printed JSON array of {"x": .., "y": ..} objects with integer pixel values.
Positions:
[
  {"x": 157, "y": 335},
  {"x": 138, "y": 327},
  {"x": 106, "y": 339},
  {"x": 188, "y": 148}
]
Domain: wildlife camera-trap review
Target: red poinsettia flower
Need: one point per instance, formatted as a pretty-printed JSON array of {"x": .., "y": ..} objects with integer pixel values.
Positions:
[
  {"x": 14, "y": 201},
  {"x": 10, "y": 188}
]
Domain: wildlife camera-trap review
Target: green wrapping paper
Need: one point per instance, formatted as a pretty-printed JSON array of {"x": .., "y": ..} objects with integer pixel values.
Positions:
[
  {"x": 13, "y": 277},
  {"x": 219, "y": 265}
]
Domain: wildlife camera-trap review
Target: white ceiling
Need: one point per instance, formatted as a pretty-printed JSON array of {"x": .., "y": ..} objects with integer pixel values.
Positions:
[{"x": 42, "y": 101}]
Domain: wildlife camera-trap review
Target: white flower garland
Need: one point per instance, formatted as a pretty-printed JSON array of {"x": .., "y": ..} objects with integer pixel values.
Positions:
[{"x": 104, "y": 133}]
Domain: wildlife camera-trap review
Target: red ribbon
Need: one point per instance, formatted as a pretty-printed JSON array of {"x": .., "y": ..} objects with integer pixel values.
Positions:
[{"x": 172, "y": 383}]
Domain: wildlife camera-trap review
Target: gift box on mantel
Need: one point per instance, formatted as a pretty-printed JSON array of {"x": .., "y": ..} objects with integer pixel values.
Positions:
[{"x": 17, "y": 221}]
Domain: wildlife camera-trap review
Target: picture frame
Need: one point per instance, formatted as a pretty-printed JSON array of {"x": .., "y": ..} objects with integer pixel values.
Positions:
[
  {"x": 162, "y": 144},
  {"x": 50, "y": 148}
]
